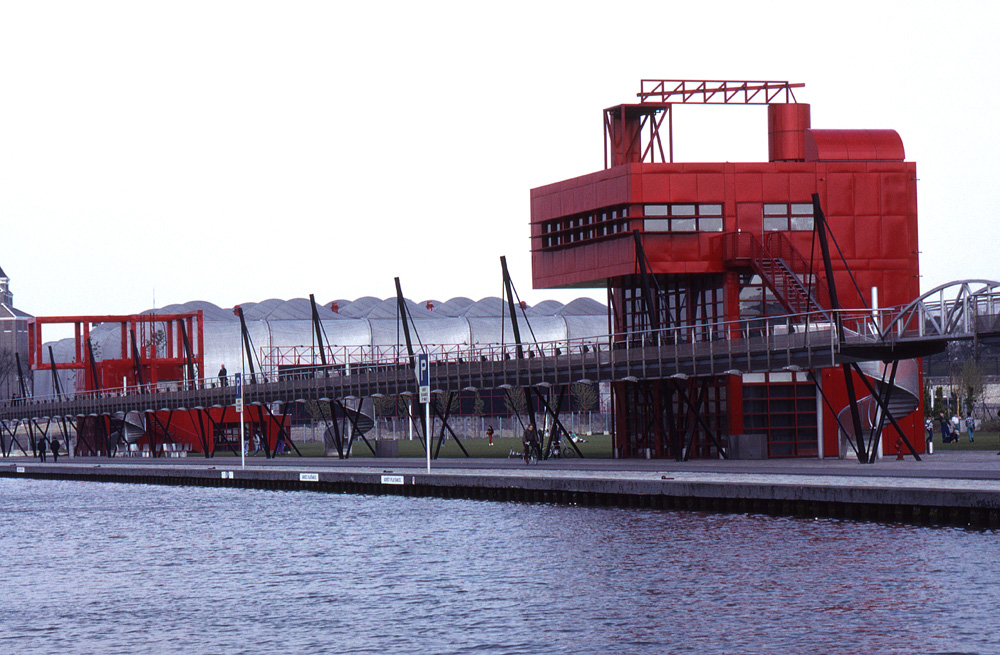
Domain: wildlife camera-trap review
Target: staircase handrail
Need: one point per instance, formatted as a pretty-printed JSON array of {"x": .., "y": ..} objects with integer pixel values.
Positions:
[
  {"x": 781, "y": 247},
  {"x": 743, "y": 248}
]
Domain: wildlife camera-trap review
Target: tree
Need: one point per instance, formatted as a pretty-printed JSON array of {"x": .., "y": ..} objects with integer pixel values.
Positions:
[
  {"x": 585, "y": 396},
  {"x": 318, "y": 411},
  {"x": 515, "y": 401},
  {"x": 384, "y": 405},
  {"x": 8, "y": 372},
  {"x": 157, "y": 340},
  {"x": 938, "y": 400},
  {"x": 451, "y": 399},
  {"x": 973, "y": 384}
]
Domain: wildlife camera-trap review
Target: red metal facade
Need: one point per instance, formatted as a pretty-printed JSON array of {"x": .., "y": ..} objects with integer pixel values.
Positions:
[
  {"x": 582, "y": 228},
  {"x": 157, "y": 340},
  {"x": 871, "y": 207}
]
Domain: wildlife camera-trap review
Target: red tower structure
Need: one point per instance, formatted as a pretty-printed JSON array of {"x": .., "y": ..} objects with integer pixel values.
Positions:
[
  {"x": 153, "y": 348},
  {"x": 699, "y": 244}
]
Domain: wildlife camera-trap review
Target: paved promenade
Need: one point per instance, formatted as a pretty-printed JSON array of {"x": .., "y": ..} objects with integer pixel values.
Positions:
[{"x": 948, "y": 487}]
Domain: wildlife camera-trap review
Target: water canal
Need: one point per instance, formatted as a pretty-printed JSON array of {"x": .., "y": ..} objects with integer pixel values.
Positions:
[{"x": 113, "y": 568}]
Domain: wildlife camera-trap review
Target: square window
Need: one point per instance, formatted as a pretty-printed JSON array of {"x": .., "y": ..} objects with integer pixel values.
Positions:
[
  {"x": 775, "y": 223},
  {"x": 710, "y": 224},
  {"x": 802, "y": 223},
  {"x": 682, "y": 210},
  {"x": 683, "y": 225},
  {"x": 802, "y": 209},
  {"x": 776, "y": 210},
  {"x": 710, "y": 210},
  {"x": 656, "y": 225},
  {"x": 656, "y": 210}
]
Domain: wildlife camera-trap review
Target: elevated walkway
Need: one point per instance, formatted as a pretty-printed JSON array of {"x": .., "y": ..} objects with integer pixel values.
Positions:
[{"x": 794, "y": 342}]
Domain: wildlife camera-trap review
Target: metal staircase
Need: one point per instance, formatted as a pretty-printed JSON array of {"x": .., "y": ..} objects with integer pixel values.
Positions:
[
  {"x": 781, "y": 268},
  {"x": 786, "y": 273},
  {"x": 902, "y": 400}
]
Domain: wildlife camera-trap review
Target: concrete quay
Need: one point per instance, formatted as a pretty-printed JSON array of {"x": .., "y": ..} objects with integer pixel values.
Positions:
[{"x": 952, "y": 488}]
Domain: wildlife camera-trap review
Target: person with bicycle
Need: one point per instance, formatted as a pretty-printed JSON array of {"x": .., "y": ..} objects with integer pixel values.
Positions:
[
  {"x": 555, "y": 442},
  {"x": 530, "y": 441}
]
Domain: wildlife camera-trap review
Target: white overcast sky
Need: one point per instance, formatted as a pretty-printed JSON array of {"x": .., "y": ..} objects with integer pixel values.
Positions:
[{"x": 239, "y": 151}]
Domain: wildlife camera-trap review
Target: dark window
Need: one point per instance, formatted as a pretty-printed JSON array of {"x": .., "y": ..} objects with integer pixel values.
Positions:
[
  {"x": 785, "y": 411},
  {"x": 583, "y": 227}
]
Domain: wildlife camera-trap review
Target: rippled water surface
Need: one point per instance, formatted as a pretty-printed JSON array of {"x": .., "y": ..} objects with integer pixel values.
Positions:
[{"x": 108, "y": 568}]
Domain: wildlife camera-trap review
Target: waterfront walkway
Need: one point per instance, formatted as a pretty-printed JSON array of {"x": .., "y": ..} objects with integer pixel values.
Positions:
[{"x": 947, "y": 487}]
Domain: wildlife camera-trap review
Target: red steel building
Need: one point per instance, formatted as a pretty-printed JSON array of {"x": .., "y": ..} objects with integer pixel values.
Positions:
[{"x": 708, "y": 235}]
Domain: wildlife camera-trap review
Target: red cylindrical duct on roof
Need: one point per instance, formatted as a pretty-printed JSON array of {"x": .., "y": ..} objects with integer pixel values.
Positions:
[
  {"x": 786, "y": 126},
  {"x": 854, "y": 145}
]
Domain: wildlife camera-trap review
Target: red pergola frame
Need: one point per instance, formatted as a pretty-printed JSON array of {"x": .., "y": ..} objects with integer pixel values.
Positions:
[
  {"x": 656, "y": 99},
  {"x": 142, "y": 325}
]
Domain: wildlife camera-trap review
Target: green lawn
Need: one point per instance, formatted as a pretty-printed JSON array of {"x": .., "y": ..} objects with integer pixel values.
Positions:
[
  {"x": 596, "y": 446},
  {"x": 984, "y": 441}
]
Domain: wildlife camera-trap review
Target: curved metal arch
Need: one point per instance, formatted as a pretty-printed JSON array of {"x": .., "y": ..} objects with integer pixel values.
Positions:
[{"x": 950, "y": 308}]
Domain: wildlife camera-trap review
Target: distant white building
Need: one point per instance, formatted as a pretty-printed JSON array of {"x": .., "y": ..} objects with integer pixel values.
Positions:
[{"x": 283, "y": 336}]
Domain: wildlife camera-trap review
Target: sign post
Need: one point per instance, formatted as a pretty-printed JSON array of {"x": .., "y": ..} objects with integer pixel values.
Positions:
[
  {"x": 424, "y": 387},
  {"x": 239, "y": 415}
]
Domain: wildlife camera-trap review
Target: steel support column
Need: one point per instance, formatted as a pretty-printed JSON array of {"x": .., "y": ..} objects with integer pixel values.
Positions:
[{"x": 821, "y": 231}]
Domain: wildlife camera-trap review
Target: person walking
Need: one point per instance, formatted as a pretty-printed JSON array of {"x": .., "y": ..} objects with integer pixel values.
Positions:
[
  {"x": 489, "y": 434},
  {"x": 43, "y": 446},
  {"x": 945, "y": 428},
  {"x": 223, "y": 377},
  {"x": 55, "y": 450},
  {"x": 929, "y": 426},
  {"x": 970, "y": 425}
]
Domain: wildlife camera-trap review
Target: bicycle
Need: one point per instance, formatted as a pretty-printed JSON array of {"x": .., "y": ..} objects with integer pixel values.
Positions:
[
  {"x": 531, "y": 452},
  {"x": 557, "y": 449}
]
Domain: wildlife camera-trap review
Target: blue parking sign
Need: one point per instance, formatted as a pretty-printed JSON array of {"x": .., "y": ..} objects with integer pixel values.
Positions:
[
  {"x": 424, "y": 377},
  {"x": 423, "y": 370}
]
